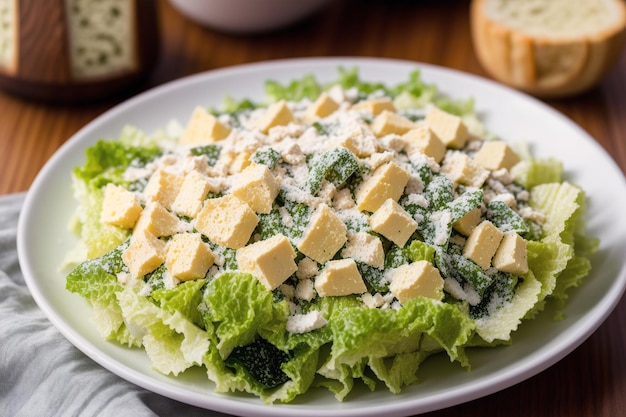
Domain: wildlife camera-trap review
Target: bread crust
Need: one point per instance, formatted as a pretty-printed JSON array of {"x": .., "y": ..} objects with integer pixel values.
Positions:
[{"x": 541, "y": 65}]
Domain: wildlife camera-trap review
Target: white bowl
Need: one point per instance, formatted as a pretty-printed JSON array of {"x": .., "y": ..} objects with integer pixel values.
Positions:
[{"x": 247, "y": 16}]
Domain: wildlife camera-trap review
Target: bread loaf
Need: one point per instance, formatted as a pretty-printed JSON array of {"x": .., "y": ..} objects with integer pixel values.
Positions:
[
  {"x": 76, "y": 50},
  {"x": 551, "y": 48},
  {"x": 7, "y": 35}
]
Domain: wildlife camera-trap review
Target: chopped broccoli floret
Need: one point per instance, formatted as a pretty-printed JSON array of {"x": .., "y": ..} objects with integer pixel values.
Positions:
[
  {"x": 262, "y": 361},
  {"x": 212, "y": 153}
]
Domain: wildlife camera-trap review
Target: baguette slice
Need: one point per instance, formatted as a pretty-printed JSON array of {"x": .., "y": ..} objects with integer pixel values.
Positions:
[{"x": 552, "y": 48}]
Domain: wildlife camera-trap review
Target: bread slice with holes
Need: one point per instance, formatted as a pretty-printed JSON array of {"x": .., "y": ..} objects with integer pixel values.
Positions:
[{"x": 549, "y": 48}]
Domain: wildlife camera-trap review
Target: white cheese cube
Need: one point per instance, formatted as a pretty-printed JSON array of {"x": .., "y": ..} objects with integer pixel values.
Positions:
[
  {"x": 511, "y": 255},
  {"x": 461, "y": 169},
  {"x": 418, "y": 279},
  {"x": 495, "y": 155},
  {"x": 271, "y": 261},
  {"x": 466, "y": 223},
  {"x": 192, "y": 193},
  {"x": 365, "y": 248},
  {"x": 388, "y": 122},
  {"x": 340, "y": 277},
  {"x": 423, "y": 140},
  {"x": 163, "y": 188},
  {"x": 120, "y": 207},
  {"x": 278, "y": 114},
  {"x": 322, "y": 107},
  {"x": 449, "y": 128},
  {"x": 188, "y": 257},
  {"x": 145, "y": 253},
  {"x": 393, "y": 222},
  {"x": 324, "y": 235},
  {"x": 387, "y": 181},
  {"x": 256, "y": 186},
  {"x": 203, "y": 128},
  {"x": 482, "y": 243},
  {"x": 359, "y": 144},
  {"x": 375, "y": 106},
  {"x": 227, "y": 221},
  {"x": 155, "y": 219},
  {"x": 240, "y": 161}
]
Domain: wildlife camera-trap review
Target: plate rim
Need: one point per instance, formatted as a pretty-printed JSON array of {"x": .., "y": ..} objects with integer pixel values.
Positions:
[{"x": 593, "y": 318}]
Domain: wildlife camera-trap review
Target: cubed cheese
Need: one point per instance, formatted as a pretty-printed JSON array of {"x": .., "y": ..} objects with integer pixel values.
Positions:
[
  {"x": 324, "y": 235},
  {"x": 375, "y": 106},
  {"x": 393, "y": 222},
  {"x": 417, "y": 279},
  {"x": 482, "y": 243},
  {"x": 511, "y": 255},
  {"x": 120, "y": 207},
  {"x": 256, "y": 186},
  {"x": 192, "y": 193},
  {"x": 496, "y": 154},
  {"x": 466, "y": 223},
  {"x": 366, "y": 248},
  {"x": 240, "y": 161},
  {"x": 359, "y": 144},
  {"x": 388, "y": 181},
  {"x": 322, "y": 107},
  {"x": 188, "y": 257},
  {"x": 145, "y": 253},
  {"x": 227, "y": 221},
  {"x": 271, "y": 261},
  {"x": 155, "y": 219},
  {"x": 163, "y": 188},
  {"x": 203, "y": 128},
  {"x": 278, "y": 114},
  {"x": 462, "y": 169},
  {"x": 340, "y": 277},
  {"x": 424, "y": 141},
  {"x": 389, "y": 122},
  {"x": 449, "y": 128}
]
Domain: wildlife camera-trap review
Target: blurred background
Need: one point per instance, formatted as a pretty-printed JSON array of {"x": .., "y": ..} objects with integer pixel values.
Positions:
[{"x": 65, "y": 62}]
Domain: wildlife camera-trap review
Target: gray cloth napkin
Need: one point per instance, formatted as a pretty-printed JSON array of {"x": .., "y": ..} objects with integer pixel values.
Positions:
[{"x": 41, "y": 373}]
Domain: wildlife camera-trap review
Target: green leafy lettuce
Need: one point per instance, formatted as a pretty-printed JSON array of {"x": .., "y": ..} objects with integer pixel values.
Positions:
[{"x": 236, "y": 329}]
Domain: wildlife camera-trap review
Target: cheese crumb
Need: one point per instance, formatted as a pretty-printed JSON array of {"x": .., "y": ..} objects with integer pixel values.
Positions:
[{"x": 304, "y": 323}]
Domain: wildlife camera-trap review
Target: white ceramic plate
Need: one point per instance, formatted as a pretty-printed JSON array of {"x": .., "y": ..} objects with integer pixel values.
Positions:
[{"x": 43, "y": 240}]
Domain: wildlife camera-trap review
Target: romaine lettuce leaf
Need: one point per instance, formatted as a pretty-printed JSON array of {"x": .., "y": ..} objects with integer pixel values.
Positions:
[
  {"x": 185, "y": 298},
  {"x": 96, "y": 281},
  {"x": 172, "y": 342},
  {"x": 553, "y": 262},
  {"x": 106, "y": 162},
  {"x": 296, "y": 90},
  {"x": 532, "y": 172},
  {"x": 239, "y": 306},
  {"x": 362, "y": 336}
]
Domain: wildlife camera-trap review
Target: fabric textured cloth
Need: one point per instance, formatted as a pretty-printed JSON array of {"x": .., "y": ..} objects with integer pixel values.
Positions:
[{"x": 41, "y": 373}]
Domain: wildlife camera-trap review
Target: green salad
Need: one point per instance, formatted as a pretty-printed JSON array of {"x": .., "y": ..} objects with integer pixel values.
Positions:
[{"x": 332, "y": 234}]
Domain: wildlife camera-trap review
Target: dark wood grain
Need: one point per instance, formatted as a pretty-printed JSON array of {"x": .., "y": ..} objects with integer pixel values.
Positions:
[
  {"x": 42, "y": 42},
  {"x": 589, "y": 382},
  {"x": 44, "y": 50}
]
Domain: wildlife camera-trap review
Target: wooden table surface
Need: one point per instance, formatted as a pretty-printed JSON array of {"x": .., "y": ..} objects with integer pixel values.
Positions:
[{"x": 591, "y": 381}]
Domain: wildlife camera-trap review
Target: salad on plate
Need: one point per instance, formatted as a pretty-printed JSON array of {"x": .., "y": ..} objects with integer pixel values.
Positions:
[{"x": 332, "y": 234}]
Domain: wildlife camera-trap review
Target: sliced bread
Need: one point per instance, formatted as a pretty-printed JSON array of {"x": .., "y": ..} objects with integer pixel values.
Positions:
[{"x": 549, "y": 48}]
